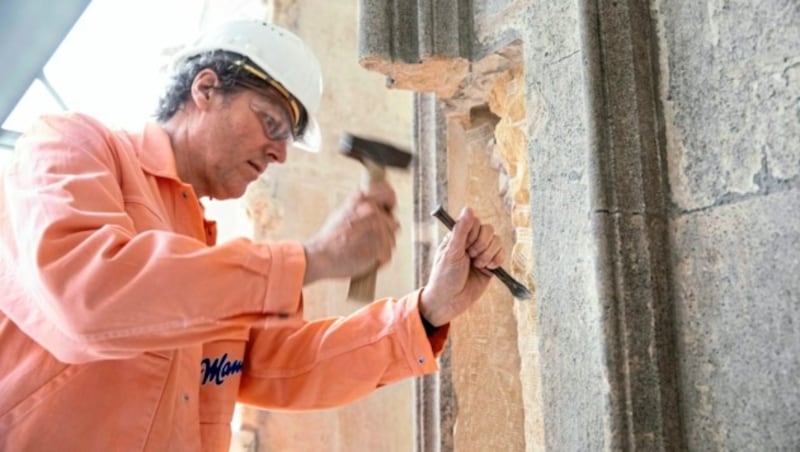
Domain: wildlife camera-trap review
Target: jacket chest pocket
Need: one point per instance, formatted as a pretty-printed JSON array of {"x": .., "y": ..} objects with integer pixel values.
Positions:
[{"x": 221, "y": 368}]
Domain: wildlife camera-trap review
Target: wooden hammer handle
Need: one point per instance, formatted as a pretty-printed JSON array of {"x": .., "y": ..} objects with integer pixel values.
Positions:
[{"x": 362, "y": 288}]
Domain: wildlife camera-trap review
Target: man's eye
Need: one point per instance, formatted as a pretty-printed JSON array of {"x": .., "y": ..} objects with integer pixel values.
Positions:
[
  {"x": 271, "y": 123},
  {"x": 276, "y": 129}
]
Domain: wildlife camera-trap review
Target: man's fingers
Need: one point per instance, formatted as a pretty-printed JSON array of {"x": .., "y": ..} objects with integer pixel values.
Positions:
[
  {"x": 482, "y": 241},
  {"x": 372, "y": 227},
  {"x": 474, "y": 232},
  {"x": 498, "y": 259},
  {"x": 477, "y": 240},
  {"x": 484, "y": 247},
  {"x": 462, "y": 229},
  {"x": 384, "y": 227},
  {"x": 445, "y": 241},
  {"x": 382, "y": 194},
  {"x": 491, "y": 256}
]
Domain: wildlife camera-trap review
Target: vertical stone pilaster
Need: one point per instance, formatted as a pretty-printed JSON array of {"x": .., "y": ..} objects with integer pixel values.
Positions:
[
  {"x": 630, "y": 217},
  {"x": 436, "y": 407}
]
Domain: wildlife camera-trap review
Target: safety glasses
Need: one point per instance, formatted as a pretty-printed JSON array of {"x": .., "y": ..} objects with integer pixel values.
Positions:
[
  {"x": 298, "y": 119},
  {"x": 271, "y": 110}
]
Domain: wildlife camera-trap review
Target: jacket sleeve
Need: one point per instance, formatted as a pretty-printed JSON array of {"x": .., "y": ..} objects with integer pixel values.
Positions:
[
  {"x": 332, "y": 362},
  {"x": 83, "y": 283}
]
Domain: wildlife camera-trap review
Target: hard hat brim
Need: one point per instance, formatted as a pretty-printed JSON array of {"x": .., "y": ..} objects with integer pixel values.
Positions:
[{"x": 311, "y": 140}]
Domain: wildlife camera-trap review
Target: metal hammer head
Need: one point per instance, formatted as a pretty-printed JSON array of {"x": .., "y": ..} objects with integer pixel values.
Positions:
[{"x": 380, "y": 153}]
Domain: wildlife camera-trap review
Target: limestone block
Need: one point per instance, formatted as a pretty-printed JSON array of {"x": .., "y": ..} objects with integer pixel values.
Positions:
[
  {"x": 569, "y": 312},
  {"x": 730, "y": 90},
  {"x": 738, "y": 309},
  {"x": 485, "y": 356},
  {"x": 507, "y": 101}
]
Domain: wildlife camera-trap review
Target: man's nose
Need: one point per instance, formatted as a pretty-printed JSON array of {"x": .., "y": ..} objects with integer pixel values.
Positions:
[{"x": 277, "y": 150}]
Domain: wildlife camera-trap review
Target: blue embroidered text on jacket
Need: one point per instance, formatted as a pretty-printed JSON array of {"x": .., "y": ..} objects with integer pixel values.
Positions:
[{"x": 219, "y": 369}]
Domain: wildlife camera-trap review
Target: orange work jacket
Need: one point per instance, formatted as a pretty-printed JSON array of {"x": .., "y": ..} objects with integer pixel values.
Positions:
[{"x": 123, "y": 326}]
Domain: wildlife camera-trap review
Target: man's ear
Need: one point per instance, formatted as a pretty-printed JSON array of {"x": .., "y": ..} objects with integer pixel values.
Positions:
[{"x": 203, "y": 86}]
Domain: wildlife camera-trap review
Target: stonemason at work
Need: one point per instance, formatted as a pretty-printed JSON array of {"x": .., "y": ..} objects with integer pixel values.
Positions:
[{"x": 125, "y": 326}]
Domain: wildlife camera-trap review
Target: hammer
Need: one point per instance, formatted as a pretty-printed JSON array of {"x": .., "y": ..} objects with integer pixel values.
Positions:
[{"x": 375, "y": 156}]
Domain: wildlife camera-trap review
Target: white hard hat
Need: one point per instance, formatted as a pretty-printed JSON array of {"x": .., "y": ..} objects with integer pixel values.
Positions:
[{"x": 281, "y": 54}]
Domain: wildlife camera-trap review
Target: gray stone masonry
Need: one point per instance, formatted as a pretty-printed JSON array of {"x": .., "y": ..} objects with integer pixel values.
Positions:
[{"x": 665, "y": 205}]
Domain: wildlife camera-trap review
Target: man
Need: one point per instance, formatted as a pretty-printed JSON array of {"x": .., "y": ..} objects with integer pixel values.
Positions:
[{"x": 124, "y": 326}]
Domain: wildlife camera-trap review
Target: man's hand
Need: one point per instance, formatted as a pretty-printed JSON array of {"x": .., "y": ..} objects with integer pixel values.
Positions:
[
  {"x": 459, "y": 275},
  {"x": 356, "y": 237}
]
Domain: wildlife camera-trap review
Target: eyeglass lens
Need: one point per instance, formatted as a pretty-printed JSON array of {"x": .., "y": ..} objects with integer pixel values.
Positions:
[{"x": 276, "y": 121}]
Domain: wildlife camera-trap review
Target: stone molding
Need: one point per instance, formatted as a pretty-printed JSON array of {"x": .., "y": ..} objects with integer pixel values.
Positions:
[
  {"x": 629, "y": 191},
  {"x": 427, "y": 46},
  {"x": 409, "y": 40},
  {"x": 436, "y": 406}
]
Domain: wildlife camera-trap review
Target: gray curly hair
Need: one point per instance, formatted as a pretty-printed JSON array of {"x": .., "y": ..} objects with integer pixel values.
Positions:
[{"x": 180, "y": 83}]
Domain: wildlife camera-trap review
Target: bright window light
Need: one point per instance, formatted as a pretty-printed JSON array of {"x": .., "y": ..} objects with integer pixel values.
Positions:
[
  {"x": 112, "y": 63},
  {"x": 37, "y": 100}
]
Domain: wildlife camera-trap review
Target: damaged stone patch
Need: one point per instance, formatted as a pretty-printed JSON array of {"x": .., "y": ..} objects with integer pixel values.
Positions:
[
  {"x": 441, "y": 75},
  {"x": 731, "y": 112}
]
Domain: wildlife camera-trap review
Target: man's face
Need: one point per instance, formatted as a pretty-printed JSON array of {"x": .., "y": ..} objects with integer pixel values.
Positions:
[{"x": 245, "y": 132}]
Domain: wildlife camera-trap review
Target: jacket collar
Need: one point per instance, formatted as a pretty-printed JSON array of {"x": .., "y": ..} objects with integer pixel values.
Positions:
[{"x": 156, "y": 154}]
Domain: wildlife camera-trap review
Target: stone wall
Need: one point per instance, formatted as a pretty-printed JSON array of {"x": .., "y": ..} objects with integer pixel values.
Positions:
[
  {"x": 660, "y": 151},
  {"x": 639, "y": 159},
  {"x": 730, "y": 93}
]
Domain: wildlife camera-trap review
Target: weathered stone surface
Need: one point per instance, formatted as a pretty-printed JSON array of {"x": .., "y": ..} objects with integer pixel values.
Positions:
[
  {"x": 729, "y": 91},
  {"x": 427, "y": 47},
  {"x": 411, "y": 32},
  {"x": 476, "y": 86},
  {"x": 437, "y": 408},
  {"x": 485, "y": 357},
  {"x": 442, "y": 76},
  {"x": 641, "y": 116},
  {"x": 507, "y": 100},
  {"x": 731, "y": 84},
  {"x": 574, "y": 380},
  {"x": 738, "y": 309},
  {"x": 630, "y": 212},
  {"x": 458, "y": 83}
]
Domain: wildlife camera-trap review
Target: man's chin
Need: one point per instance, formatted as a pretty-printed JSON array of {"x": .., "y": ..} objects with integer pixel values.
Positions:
[{"x": 229, "y": 192}]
